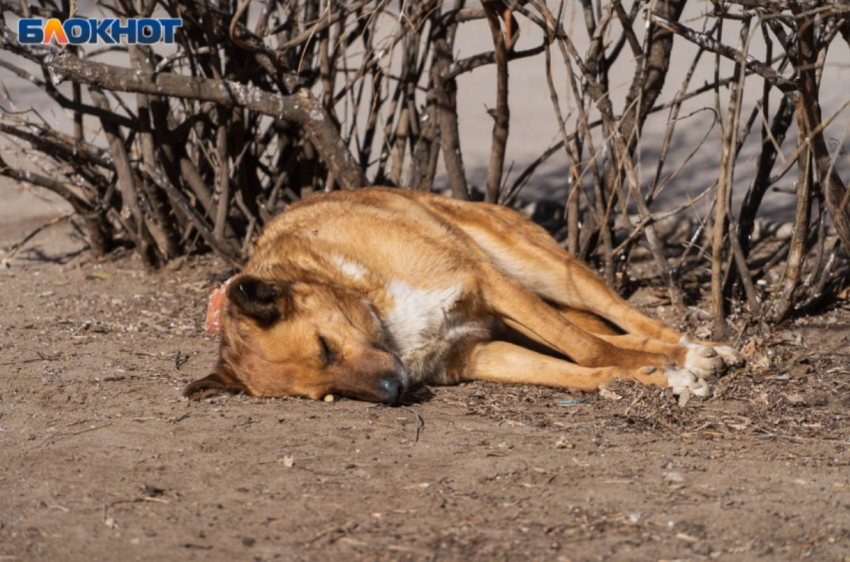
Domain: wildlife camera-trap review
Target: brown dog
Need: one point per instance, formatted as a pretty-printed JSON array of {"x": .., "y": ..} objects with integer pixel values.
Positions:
[{"x": 367, "y": 293}]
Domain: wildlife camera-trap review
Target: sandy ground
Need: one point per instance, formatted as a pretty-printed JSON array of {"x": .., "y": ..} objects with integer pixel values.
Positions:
[{"x": 101, "y": 458}]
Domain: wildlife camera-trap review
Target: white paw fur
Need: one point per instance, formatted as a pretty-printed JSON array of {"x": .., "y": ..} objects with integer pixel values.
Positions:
[
  {"x": 730, "y": 357},
  {"x": 679, "y": 379},
  {"x": 703, "y": 361}
]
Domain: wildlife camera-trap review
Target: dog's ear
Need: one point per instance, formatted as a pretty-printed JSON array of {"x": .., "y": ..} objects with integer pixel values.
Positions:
[
  {"x": 256, "y": 298},
  {"x": 222, "y": 380}
]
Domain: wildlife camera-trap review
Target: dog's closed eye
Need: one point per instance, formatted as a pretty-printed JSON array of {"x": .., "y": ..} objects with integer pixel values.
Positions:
[{"x": 328, "y": 354}]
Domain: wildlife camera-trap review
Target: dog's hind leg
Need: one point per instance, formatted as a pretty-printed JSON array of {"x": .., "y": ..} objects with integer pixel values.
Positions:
[
  {"x": 508, "y": 363},
  {"x": 587, "y": 321},
  {"x": 527, "y": 253},
  {"x": 525, "y": 312},
  {"x": 701, "y": 360},
  {"x": 559, "y": 277}
]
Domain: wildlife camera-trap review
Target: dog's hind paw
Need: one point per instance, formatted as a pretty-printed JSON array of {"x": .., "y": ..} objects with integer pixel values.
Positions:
[
  {"x": 704, "y": 361},
  {"x": 679, "y": 379},
  {"x": 731, "y": 357},
  {"x": 728, "y": 355}
]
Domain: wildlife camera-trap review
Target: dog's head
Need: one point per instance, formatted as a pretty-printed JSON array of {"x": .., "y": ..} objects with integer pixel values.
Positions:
[{"x": 303, "y": 339}]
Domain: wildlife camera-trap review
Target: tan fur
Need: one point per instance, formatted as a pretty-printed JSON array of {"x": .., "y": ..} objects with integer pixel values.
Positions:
[{"x": 370, "y": 292}]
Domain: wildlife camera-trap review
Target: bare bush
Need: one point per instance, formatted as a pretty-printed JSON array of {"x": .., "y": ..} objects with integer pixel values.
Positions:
[{"x": 263, "y": 102}]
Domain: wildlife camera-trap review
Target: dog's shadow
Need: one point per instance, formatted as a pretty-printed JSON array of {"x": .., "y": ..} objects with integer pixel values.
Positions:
[{"x": 417, "y": 395}]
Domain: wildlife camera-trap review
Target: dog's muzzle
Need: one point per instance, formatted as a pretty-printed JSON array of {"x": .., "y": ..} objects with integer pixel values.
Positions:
[{"x": 393, "y": 386}]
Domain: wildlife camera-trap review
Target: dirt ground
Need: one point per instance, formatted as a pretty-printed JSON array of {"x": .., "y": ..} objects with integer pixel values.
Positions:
[{"x": 102, "y": 459}]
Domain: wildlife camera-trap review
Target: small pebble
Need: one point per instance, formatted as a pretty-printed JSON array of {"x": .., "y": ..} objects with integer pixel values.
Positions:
[{"x": 674, "y": 477}]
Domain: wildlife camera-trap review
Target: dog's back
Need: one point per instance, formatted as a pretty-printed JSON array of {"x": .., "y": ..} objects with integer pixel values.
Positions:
[{"x": 400, "y": 233}]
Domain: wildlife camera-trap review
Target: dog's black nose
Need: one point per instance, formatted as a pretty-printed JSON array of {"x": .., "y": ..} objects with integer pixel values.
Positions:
[{"x": 391, "y": 390}]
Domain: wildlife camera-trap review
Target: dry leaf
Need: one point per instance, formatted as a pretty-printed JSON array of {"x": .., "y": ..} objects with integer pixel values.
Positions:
[
  {"x": 607, "y": 394},
  {"x": 564, "y": 444}
]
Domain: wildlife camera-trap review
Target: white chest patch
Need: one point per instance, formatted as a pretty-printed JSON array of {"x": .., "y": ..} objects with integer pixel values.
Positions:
[
  {"x": 424, "y": 328},
  {"x": 417, "y": 313},
  {"x": 353, "y": 270}
]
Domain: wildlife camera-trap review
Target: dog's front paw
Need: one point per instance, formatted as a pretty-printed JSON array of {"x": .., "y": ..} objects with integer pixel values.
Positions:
[{"x": 680, "y": 379}]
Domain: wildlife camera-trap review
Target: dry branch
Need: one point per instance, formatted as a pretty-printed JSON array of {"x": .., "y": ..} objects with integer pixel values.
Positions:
[
  {"x": 788, "y": 87},
  {"x": 301, "y": 108},
  {"x": 501, "y": 113}
]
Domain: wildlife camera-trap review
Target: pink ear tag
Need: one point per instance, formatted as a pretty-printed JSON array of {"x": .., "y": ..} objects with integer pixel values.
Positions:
[{"x": 214, "y": 308}]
